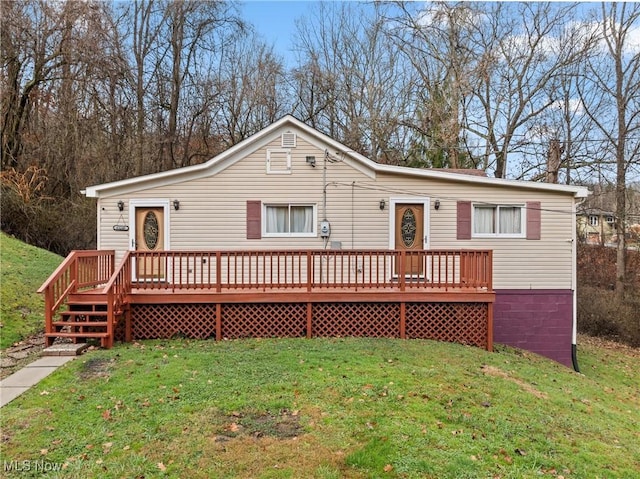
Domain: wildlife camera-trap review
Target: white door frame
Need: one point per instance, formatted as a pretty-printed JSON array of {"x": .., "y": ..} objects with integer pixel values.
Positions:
[
  {"x": 148, "y": 203},
  {"x": 426, "y": 202}
]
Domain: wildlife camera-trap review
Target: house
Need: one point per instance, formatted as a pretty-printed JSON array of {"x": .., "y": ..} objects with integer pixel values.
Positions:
[
  {"x": 289, "y": 233},
  {"x": 596, "y": 226},
  {"x": 596, "y": 217}
]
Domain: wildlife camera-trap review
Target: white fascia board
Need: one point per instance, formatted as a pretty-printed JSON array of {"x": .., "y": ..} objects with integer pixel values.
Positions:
[
  {"x": 369, "y": 167},
  {"x": 210, "y": 167},
  {"x": 577, "y": 191},
  {"x": 322, "y": 141}
]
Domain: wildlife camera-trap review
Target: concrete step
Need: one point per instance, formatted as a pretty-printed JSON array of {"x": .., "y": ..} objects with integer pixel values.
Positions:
[{"x": 65, "y": 349}]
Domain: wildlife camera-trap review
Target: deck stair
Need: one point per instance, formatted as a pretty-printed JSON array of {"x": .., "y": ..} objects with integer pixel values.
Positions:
[{"x": 86, "y": 317}]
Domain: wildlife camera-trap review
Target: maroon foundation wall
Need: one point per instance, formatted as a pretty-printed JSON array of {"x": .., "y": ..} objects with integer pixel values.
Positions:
[{"x": 538, "y": 320}]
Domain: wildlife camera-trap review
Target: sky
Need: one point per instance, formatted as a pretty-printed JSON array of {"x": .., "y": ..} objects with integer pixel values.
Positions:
[{"x": 275, "y": 22}]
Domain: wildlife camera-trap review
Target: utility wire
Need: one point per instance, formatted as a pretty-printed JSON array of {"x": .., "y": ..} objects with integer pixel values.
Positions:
[{"x": 365, "y": 186}]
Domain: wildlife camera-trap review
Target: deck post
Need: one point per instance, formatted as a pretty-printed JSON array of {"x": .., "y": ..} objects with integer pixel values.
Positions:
[
  {"x": 108, "y": 341},
  {"x": 128, "y": 330},
  {"x": 73, "y": 275},
  {"x": 48, "y": 315},
  {"x": 218, "y": 320},
  {"x": 403, "y": 311},
  {"x": 488, "y": 270},
  {"x": 490, "y": 327},
  {"x": 218, "y": 273},
  {"x": 309, "y": 273},
  {"x": 309, "y": 320}
]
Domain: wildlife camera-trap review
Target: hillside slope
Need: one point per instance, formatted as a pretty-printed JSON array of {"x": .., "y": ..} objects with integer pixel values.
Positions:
[{"x": 23, "y": 268}]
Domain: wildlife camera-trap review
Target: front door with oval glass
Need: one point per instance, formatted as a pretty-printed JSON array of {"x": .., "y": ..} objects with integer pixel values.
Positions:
[
  {"x": 409, "y": 236},
  {"x": 149, "y": 239}
]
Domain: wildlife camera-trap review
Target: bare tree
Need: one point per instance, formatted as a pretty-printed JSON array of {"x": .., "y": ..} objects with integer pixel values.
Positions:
[
  {"x": 519, "y": 55},
  {"x": 351, "y": 82},
  {"x": 248, "y": 83},
  {"x": 611, "y": 98},
  {"x": 196, "y": 32},
  {"x": 146, "y": 19},
  {"x": 32, "y": 33},
  {"x": 434, "y": 39}
]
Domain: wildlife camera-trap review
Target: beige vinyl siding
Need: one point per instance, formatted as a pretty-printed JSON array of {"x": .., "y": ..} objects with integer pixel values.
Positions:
[
  {"x": 212, "y": 214},
  {"x": 518, "y": 263},
  {"x": 212, "y": 211},
  {"x": 108, "y": 216}
]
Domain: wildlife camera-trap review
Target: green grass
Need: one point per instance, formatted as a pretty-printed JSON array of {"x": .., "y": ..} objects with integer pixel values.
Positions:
[
  {"x": 329, "y": 408},
  {"x": 23, "y": 269}
]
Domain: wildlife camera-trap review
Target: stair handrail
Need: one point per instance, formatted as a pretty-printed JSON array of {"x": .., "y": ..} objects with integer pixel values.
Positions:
[
  {"x": 65, "y": 281},
  {"x": 116, "y": 290},
  {"x": 57, "y": 288}
]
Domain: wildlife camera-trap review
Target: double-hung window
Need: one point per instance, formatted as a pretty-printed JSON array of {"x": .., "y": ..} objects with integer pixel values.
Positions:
[
  {"x": 293, "y": 220},
  {"x": 498, "y": 220}
]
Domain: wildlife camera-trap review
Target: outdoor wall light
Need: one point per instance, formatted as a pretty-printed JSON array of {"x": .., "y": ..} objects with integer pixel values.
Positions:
[
  {"x": 176, "y": 205},
  {"x": 382, "y": 204},
  {"x": 437, "y": 205},
  {"x": 311, "y": 160},
  {"x": 120, "y": 205}
]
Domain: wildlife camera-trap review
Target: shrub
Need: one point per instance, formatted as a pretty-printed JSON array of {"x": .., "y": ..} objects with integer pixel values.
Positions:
[
  {"x": 599, "y": 311},
  {"x": 58, "y": 225},
  {"x": 600, "y": 314}
]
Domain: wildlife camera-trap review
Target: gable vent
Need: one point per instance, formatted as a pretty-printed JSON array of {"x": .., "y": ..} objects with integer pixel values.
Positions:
[{"x": 288, "y": 139}]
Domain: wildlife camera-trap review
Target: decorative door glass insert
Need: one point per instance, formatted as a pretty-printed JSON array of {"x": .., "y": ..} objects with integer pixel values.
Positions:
[
  {"x": 151, "y": 230},
  {"x": 408, "y": 227}
]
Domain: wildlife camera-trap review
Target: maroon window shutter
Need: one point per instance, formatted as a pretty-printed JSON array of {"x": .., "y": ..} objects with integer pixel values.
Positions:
[
  {"x": 533, "y": 220},
  {"x": 464, "y": 220},
  {"x": 254, "y": 219}
]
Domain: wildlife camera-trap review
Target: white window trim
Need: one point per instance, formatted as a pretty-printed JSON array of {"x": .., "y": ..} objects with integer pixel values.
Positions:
[
  {"x": 314, "y": 223},
  {"x": 271, "y": 171},
  {"x": 497, "y": 234}
]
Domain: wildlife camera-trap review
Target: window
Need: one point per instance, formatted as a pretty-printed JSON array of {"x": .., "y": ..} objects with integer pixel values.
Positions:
[
  {"x": 290, "y": 220},
  {"x": 498, "y": 220},
  {"x": 611, "y": 220},
  {"x": 279, "y": 162},
  {"x": 593, "y": 220}
]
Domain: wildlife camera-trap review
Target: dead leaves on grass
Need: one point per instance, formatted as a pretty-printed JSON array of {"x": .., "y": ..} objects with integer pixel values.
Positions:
[{"x": 497, "y": 372}]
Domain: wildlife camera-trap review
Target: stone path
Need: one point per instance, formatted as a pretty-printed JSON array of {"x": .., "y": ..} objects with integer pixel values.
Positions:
[{"x": 53, "y": 357}]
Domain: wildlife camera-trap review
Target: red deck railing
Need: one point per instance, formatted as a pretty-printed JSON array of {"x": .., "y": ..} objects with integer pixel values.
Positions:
[
  {"x": 212, "y": 272},
  {"x": 312, "y": 270},
  {"x": 80, "y": 270}
]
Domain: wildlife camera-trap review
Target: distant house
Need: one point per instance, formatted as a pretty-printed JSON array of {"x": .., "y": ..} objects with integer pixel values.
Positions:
[
  {"x": 596, "y": 217},
  {"x": 596, "y": 226},
  {"x": 290, "y": 233}
]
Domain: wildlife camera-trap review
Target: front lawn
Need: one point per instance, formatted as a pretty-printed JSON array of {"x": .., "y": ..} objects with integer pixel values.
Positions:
[{"x": 329, "y": 409}]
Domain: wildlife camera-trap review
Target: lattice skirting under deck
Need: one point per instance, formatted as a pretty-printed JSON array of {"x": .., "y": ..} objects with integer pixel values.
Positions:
[{"x": 465, "y": 323}]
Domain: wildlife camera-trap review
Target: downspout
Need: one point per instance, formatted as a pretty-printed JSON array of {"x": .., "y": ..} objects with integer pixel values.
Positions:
[{"x": 574, "y": 281}]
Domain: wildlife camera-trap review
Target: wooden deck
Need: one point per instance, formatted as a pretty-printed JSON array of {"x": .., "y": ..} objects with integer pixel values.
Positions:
[{"x": 444, "y": 295}]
